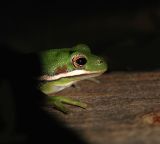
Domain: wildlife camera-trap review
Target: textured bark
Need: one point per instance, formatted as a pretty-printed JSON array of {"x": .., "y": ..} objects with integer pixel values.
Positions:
[{"x": 123, "y": 108}]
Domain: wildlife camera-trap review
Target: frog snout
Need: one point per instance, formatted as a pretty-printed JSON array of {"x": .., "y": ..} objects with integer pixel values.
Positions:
[{"x": 101, "y": 64}]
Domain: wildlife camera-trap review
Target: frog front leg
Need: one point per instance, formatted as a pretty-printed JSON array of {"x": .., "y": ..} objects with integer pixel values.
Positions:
[{"x": 59, "y": 101}]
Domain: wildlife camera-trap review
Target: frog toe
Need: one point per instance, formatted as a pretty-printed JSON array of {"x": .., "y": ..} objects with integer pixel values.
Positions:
[{"x": 59, "y": 101}]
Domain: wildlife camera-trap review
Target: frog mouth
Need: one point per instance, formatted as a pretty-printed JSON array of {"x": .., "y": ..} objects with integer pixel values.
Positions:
[{"x": 75, "y": 73}]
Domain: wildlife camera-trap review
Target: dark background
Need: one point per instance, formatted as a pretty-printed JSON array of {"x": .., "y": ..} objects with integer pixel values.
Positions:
[{"x": 125, "y": 33}]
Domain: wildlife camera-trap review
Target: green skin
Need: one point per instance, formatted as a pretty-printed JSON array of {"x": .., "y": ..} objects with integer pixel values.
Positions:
[{"x": 59, "y": 72}]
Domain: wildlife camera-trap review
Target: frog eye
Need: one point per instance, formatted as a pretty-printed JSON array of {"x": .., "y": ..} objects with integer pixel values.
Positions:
[{"x": 79, "y": 61}]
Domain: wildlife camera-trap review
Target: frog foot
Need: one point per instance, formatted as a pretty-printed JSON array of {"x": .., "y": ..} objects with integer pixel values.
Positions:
[{"x": 59, "y": 101}]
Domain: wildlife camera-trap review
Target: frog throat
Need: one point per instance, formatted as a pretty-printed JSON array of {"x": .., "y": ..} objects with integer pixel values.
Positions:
[{"x": 69, "y": 74}]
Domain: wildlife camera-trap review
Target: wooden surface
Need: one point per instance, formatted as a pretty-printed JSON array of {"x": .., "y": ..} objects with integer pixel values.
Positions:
[{"x": 124, "y": 108}]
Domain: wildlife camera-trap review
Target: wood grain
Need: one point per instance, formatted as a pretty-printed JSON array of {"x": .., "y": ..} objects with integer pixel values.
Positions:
[{"x": 121, "y": 109}]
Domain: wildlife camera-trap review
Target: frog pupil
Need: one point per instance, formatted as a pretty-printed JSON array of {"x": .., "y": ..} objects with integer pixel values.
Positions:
[{"x": 81, "y": 61}]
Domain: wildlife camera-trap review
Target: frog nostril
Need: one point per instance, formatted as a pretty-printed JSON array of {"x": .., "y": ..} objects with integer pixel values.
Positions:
[{"x": 99, "y": 61}]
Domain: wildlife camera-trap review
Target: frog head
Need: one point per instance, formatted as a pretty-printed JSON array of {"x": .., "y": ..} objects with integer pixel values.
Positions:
[{"x": 71, "y": 62}]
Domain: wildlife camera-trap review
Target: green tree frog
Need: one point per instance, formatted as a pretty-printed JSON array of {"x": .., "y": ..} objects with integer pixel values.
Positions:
[{"x": 61, "y": 68}]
